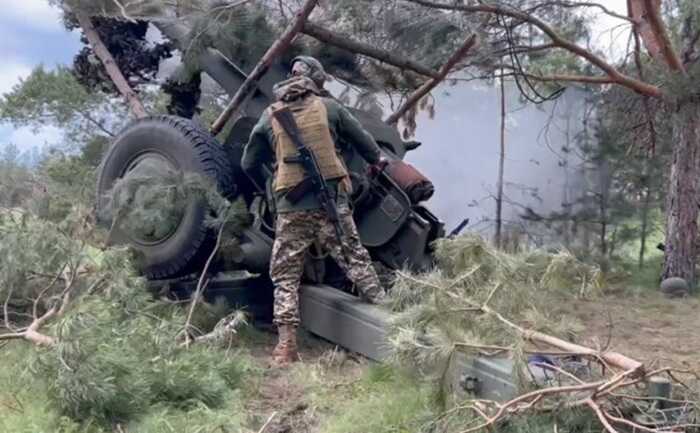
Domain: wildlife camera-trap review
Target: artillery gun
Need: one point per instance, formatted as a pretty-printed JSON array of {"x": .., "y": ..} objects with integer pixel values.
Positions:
[{"x": 392, "y": 221}]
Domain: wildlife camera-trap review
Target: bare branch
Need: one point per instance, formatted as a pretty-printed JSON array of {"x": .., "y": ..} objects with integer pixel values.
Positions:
[
  {"x": 557, "y": 39},
  {"x": 202, "y": 283},
  {"x": 32, "y": 332},
  {"x": 566, "y": 4},
  {"x": 340, "y": 41},
  {"x": 601, "y": 416},
  {"x": 267, "y": 423},
  {"x": 122, "y": 9},
  {"x": 110, "y": 65},
  {"x": 426, "y": 88}
]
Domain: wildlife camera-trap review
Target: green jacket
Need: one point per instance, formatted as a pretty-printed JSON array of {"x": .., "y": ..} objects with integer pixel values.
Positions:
[{"x": 344, "y": 127}]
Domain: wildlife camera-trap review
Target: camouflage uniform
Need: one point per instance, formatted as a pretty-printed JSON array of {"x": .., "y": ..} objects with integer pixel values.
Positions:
[
  {"x": 303, "y": 222},
  {"x": 296, "y": 231}
]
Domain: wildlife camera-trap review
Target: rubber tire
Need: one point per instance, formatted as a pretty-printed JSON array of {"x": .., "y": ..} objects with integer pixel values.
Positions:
[{"x": 189, "y": 148}]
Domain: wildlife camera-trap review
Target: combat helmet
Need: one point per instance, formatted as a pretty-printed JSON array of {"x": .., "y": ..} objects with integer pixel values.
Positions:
[{"x": 315, "y": 69}]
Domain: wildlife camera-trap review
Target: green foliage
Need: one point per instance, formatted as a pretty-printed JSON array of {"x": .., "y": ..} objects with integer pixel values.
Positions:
[
  {"x": 199, "y": 419},
  {"x": 151, "y": 199},
  {"x": 27, "y": 407},
  {"x": 54, "y": 97},
  {"x": 242, "y": 33},
  {"x": 24, "y": 403},
  {"x": 573, "y": 421},
  {"x": 51, "y": 95},
  {"x": 69, "y": 181},
  {"x": 115, "y": 357},
  {"x": 17, "y": 182},
  {"x": 32, "y": 253},
  {"x": 118, "y": 351},
  {"x": 435, "y": 311},
  {"x": 383, "y": 400},
  {"x": 207, "y": 315}
]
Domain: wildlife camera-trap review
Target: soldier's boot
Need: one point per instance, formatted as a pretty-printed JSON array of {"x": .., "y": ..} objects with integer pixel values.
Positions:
[
  {"x": 373, "y": 294},
  {"x": 286, "y": 350}
]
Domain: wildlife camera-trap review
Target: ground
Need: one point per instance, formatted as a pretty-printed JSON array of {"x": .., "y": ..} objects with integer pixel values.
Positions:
[
  {"x": 332, "y": 391},
  {"x": 646, "y": 326},
  {"x": 289, "y": 393}
]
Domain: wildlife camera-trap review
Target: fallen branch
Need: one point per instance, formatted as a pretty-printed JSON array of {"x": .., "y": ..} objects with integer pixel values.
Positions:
[
  {"x": 530, "y": 399},
  {"x": 608, "y": 385},
  {"x": 32, "y": 332},
  {"x": 202, "y": 282},
  {"x": 110, "y": 65},
  {"x": 267, "y": 423},
  {"x": 613, "y": 358},
  {"x": 249, "y": 85},
  {"x": 601, "y": 416},
  {"x": 427, "y": 87}
]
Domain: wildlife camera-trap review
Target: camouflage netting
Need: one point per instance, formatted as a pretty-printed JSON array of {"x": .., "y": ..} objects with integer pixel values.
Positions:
[{"x": 438, "y": 311}]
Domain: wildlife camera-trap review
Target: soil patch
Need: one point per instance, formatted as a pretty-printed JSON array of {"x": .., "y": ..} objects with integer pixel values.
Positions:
[
  {"x": 650, "y": 328},
  {"x": 289, "y": 392}
]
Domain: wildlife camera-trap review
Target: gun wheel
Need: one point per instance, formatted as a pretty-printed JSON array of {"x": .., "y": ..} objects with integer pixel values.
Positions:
[{"x": 178, "y": 243}]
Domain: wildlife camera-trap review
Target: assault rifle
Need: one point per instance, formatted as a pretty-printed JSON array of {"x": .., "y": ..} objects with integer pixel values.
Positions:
[{"x": 314, "y": 179}]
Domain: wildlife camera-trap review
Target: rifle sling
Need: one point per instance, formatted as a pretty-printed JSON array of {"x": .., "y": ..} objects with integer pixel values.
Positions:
[{"x": 286, "y": 119}]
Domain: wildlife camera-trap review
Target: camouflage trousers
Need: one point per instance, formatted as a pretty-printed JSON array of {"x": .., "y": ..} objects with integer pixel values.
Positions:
[{"x": 295, "y": 232}]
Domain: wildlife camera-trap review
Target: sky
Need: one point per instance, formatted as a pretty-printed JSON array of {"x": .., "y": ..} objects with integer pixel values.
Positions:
[{"x": 31, "y": 34}]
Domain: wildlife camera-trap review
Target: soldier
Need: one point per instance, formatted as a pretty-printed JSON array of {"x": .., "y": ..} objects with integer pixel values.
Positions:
[{"x": 301, "y": 221}]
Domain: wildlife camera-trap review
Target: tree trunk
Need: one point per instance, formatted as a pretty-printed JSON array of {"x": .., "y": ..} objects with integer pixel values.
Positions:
[
  {"x": 110, "y": 65},
  {"x": 682, "y": 195},
  {"x": 645, "y": 222},
  {"x": 501, "y": 162},
  {"x": 604, "y": 206}
]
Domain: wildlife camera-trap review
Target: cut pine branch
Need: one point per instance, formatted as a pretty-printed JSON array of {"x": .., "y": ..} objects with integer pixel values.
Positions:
[
  {"x": 612, "y": 359},
  {"x": 250, "y": 84},
  {"x": 428, "y": 86},
  {"x": 32, "y": 332},
  {"x": 110, "y": 65}
]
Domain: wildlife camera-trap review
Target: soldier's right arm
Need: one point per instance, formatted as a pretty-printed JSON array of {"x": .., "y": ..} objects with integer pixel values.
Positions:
[
  {"x": 258, "y": 150},
  {"x": 353, "y": 132}
]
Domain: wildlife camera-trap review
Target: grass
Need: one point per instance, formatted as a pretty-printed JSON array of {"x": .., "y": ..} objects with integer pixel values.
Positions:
[
  {"x": 647, "y": 277},
  {"x": 26, "y": 405},
  {"x": 376, "y": 399}
]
